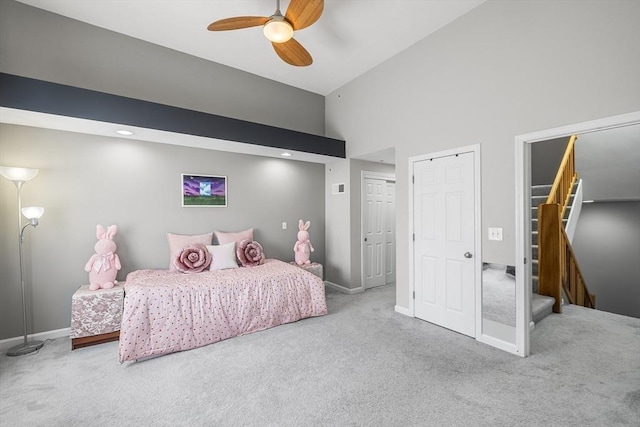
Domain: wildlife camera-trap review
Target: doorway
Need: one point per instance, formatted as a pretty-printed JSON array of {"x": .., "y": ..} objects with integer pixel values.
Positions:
[
  {"x": 445, "y": 252},
  {"x": 378, "y": 229},
  {"x": 523, "y": 214}
]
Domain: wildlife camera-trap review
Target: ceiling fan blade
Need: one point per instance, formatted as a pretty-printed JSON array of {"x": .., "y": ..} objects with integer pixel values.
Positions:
[
  {"x": 302, "y": 13},
  {"x": 293, "y": 53},
  {"x": 237, "y": 23}
]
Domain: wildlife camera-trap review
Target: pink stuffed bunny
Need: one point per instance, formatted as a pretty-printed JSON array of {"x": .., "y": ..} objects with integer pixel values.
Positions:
[
  {"x": 103, "y": 266},
  {"x": 303, "y": 247}
]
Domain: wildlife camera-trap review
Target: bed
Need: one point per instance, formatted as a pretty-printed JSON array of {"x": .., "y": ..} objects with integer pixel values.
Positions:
[{"x": 168, "y": 311}]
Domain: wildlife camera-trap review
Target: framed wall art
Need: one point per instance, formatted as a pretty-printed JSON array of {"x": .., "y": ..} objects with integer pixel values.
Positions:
[{"x": 204, "y": 190}]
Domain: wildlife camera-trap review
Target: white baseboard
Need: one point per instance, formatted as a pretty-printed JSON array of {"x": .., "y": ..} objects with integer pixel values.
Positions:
[
  {"x": 342, "y": 289},
  {"x": 42, "y": 336},
  {"x": 403, "y": 310}
]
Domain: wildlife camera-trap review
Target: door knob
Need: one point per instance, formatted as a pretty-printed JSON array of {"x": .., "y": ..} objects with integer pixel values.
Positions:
[{"x": 468, "y": 255}]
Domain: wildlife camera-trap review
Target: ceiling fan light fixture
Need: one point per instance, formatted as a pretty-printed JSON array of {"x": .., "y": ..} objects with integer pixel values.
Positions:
[{"x": 278, "y": 30}]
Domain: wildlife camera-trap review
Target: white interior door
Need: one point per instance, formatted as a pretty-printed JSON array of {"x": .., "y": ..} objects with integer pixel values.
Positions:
[
  {"x": 373, "y": 222},
  {"x": 390, "y": 231},
  {"x": 444, "y": 227}
]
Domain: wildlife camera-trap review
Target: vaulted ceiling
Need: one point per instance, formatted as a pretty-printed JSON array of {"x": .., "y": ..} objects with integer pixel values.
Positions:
[{"x": 351, "y": 36}]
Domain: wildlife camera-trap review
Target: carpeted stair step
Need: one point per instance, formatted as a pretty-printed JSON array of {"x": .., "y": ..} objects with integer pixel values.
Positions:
[
  {"x": 541, "y": 307},
  {"x": 537, "y": 200},
  {"x": 540, "y": 190}
]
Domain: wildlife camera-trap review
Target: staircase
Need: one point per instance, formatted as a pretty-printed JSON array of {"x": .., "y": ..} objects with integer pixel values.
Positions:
[
  {"x": 558, "y": 275},
  {"x": 541, "y": 306}
]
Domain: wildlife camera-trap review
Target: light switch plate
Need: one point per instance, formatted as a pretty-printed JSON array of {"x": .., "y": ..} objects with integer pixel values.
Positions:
[
  {"x": 495, "y": 233},
  {"x": 284, "y": 225}
]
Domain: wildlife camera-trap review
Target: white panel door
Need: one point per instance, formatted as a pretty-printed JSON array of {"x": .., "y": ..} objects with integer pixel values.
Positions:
[
  {"x": 373, "y": 223},
  {"x": 390, "y": 231},
  {"x": 443, "y": 196}
]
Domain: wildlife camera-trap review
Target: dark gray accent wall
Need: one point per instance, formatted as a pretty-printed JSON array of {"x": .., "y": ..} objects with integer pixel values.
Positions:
[
  {"x": 607, "y": 245},
  {"x": 85, "y": 180},
  {"x": 545, "y": 160},
  {"x": 62, "y": 100}
]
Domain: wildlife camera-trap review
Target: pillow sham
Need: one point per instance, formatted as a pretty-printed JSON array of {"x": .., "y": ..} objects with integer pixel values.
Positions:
[
  {"x": 234, "y": 237},
  {"x": 192, "y": 259},
  {"x": 177, "y": 242},
  {"x": 223, "y": 256}
]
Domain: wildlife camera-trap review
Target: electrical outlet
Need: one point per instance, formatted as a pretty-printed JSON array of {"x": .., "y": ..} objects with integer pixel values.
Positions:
[
  {"x": 495, "y": 233},
  {"x": 284, "y": 225}
]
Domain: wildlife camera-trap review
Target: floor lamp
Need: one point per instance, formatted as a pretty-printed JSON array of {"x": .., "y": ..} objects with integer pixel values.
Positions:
[{"x": 19, "y": 176}]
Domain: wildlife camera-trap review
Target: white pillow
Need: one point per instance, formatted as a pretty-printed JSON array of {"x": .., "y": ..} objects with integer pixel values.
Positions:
[{"x": 223, "y": 256}]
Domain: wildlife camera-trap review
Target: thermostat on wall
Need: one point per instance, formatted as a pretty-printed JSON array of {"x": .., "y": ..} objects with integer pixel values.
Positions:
[{"x": 338, "y": 188}]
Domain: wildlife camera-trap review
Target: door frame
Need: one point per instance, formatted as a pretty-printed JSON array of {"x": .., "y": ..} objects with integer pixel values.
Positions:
[
  {"x": 523, "y": 211},
  {"x": 477, "y": 221},
  {"x": 371, "y": 175}
]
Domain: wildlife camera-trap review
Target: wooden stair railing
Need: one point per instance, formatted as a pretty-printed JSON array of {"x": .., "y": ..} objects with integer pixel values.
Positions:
[
  {"x": 557, "y": 265},
  {"x": 565, "y": 178}
]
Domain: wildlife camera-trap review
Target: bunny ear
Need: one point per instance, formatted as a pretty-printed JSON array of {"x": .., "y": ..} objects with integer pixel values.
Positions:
[
  {"x": 100, "y": 233},
  {"x": 307, "y": 225},
  {"x": 111, "y": 231},
  {"x": 300, "y": 225}
]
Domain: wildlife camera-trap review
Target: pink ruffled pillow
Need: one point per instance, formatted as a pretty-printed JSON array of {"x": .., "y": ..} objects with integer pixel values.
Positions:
[
  {"x": 250, "y": 253},
  {"x": 179, "y": 241},
  {"x": 192, "y": 259}
]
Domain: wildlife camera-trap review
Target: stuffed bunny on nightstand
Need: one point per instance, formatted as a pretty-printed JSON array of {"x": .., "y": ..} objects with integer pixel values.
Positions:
[
  {"x": 303, "y": 247},
  {"x": 103, "y": 266}
]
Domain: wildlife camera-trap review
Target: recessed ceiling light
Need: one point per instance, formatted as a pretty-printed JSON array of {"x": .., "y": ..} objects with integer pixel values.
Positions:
[
  {"x": 124, "y": 132},
  {"x": 286, "y": 154}
]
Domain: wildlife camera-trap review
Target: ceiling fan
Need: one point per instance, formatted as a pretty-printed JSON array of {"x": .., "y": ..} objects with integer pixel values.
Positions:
[{"x": 279, "y": 29}]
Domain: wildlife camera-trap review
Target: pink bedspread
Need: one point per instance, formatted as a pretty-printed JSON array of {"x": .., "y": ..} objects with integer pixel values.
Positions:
[{"x": 166, "y": 311}]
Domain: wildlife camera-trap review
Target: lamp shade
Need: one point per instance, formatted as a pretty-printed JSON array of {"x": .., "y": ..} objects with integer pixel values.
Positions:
[
  {"x": 18, "y": 174},
  {"x": 278, "y": 30},
  {"x": 33, "y": 212}
]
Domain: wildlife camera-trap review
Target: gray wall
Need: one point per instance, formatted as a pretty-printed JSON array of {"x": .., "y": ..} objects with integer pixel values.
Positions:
[
  {"x": 42, "y": 45},
  {"x": 545, "y": 160},
  {"x": 86, "y": 180},
  {"x": 607, "y": 245},
  {"x": 502, "y": 70},
  {"x": 344, "y": 246}
]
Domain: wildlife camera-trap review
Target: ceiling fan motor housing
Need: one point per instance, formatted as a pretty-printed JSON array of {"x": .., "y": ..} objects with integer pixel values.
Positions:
[{"x": 278, "y": 29}]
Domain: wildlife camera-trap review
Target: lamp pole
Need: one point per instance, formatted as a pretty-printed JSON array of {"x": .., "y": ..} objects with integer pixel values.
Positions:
[{"x": 19, "y": 176}]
